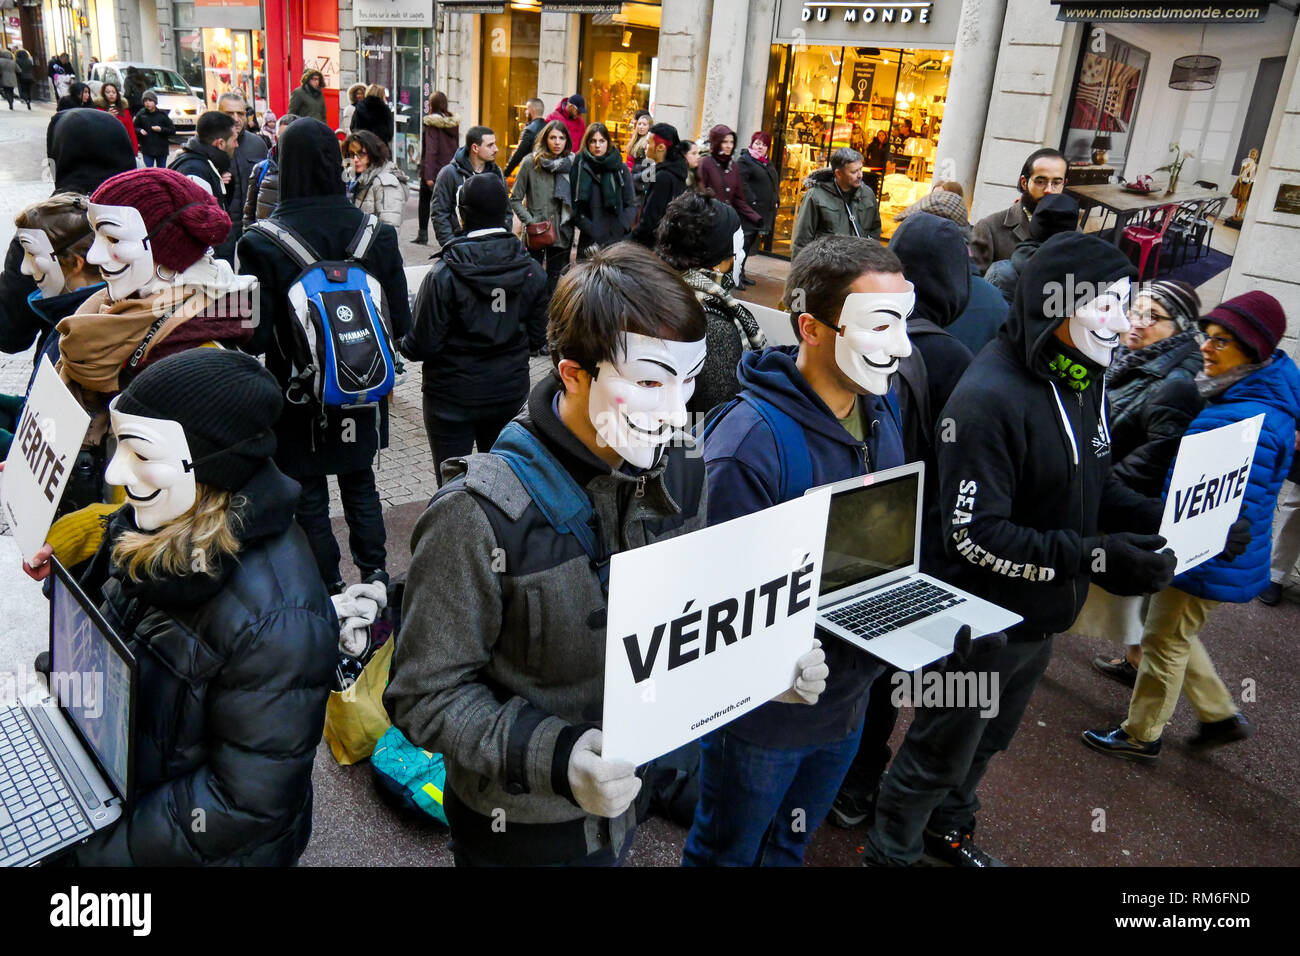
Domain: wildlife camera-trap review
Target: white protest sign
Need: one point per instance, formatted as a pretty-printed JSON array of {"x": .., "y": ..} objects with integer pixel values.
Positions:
[
  {"x": 707, "y": 626},
  {"x": 45, "y": 445},
  {"x": 1206, "y": 490}
]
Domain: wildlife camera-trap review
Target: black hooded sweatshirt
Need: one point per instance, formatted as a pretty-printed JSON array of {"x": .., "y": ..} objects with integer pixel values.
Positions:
[
  {"x": 86, "y": 147},
  {"x": 1025, "y": 482},
  {"x": 934, "y": 257},
  {"x": 480, "y": 309}
]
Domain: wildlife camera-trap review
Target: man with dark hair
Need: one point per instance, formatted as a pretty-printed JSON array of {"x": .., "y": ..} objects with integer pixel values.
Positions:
[
  {"x": 534, "y": 110},
  {"x": 476, "y": 157},
  {"x": 825, "y": 402},
  {"x": 250, "y": 150},
  {"x": 207, "y": 159},
  {"x": 480, "y": 311},
  {"x": 835, "y": 203},
  {"x": 996, "y": 236},
  {"x": 503, "y": 648}
]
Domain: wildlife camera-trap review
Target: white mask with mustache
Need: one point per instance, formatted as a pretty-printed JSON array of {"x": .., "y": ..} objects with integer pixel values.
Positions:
[
  {"x": 40, "y": 262},
  {"x": 638, "y": 403},
  {"x": 873, "y": 337},
  {"x": 153, "y": 464},
  {"x": 1096, "y": 327},
  {"x": 121, "y": 249}
]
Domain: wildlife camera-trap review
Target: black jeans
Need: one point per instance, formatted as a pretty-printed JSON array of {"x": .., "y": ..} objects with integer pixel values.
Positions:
[
  {"x": 454, "y": 430},
  {"x": 25, "y": 92},
  {"x": 945, "y": 755},
  {"x": 364, "y": 515},
  {"x": 8, "y": 93},
  {"x": 555, "y": 260},
  {"x": 426, "y": 206},
  {"x": 878, "y": 726}
]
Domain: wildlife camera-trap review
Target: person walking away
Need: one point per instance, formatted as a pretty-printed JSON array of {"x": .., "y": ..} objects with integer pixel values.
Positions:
[
  {"x": 207, "y": 158},
  {"x": 439, "y": 138},
  {"x": 1245, "y": 375},
  {"x": 836, "y": 203},
  {"x": 373, "y": 114},
  {"x": 481, "y": 309},
  {"x": 477, "y": 156},
  {"x": 309, "y": 98},
  {"x": 570, "y": 112},
  {"x": 313, "y": 205},
  {"x": 541, "y": 194},
  {"x": 996, "y": 236},
  {"x": 604, "y": 202},
  {"x": 515, "y": 717},
  {"x": 8, "y": 77},
  {"x": 761, "y": 182},
  {"x": 26, "y": 72},
  {"x": 1153, "y": 398},
  {"x": 534, "y": 111},
  {"x": 695, "y": 237},
  {"x": 154, "y": 130},
  {"x": 670, "y": 174},
  {"x": 378, "y": 187},
  {"x": 250, "y": 149},
  {"x": 263, "y": 190}
]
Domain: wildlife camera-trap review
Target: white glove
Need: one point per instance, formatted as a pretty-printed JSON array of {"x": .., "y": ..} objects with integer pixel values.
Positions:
[
  {"x": 811, "y": 680},
  {"x": 357, "y": 608},
  {"x": 603, "y": 787}
]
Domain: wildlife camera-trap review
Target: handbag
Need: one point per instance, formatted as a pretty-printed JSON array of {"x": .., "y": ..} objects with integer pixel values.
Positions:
[{"x": 540, "y": 234}]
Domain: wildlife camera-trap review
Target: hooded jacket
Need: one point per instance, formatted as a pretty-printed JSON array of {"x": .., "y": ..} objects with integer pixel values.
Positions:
[
  {"x": 452, "y": 176},
  {"x": 151, "y": 143},
  {"x": 501, "y": 671},
  {"x": 984, "y": 314},
  {"x": 824, "y": 211},
  {"x": 933, "y": 253},
  {"x": 474, "y": 353},
  {"x": 233, "y": 670},
  {"x": 576, "y": 126},
  {"x": 86, "y": 147},
  {"x": 722, "y": 175},
  {"x": 8, "y": 70},
  {"x": 744, "y": 469},
  {"x": 373, "y": 114},
  {"x": 205, "y": 164},
  {"x": 308, "y": 102},
  {"x": 1025, "y": 484},
  {"x": 670, "y": 182},
  {"x": 1274, "y": 392},
  {"x": 440, "y": 136}
]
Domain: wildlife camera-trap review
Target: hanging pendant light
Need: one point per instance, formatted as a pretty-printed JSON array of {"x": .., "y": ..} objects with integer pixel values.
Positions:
[{"x": 1196, "y": 71}]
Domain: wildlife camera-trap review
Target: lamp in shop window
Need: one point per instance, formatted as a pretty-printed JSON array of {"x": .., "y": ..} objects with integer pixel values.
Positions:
[
  {"x": 627, "y": 39},
  {"x": 1197, "y": 71},
  {"x": 1101, "y": 146}
]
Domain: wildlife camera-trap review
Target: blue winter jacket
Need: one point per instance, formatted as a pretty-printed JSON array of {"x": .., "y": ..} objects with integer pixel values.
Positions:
[
  {"x": 1274, "y": 392},
  {"x": 744, "y": 476}
]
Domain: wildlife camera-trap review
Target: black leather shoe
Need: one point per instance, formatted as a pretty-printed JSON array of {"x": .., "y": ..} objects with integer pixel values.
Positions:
[
  {"x": 1272, "y": 594},
  {"x": 421, "y": 239},
  {"x": 1119, "y": 744},
  {"x": 956, "y": 848},
  {"x": 1221, "y": 732},
  {"x": 1116, "y": 669}
]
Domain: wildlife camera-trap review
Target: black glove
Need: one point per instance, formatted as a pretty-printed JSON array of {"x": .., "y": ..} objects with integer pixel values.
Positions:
[
  {"x": 1238, "y": 540},
  {"x": 966, "y": 654},
  {"x": 1134, "y": 565}
]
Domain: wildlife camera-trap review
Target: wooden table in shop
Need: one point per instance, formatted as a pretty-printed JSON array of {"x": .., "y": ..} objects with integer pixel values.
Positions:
[{"x": 1125, "y": 205}]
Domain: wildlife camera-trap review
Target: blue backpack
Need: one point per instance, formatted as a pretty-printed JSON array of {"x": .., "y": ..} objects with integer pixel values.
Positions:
[
  {"x": 792, "y": 453},
  {"x": 340, "y": 350}
]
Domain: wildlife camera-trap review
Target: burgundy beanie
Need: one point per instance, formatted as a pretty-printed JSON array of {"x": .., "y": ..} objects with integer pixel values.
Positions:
[
  {"x": 1255, "y": 318},
  {"x": 182, "y": 217}
]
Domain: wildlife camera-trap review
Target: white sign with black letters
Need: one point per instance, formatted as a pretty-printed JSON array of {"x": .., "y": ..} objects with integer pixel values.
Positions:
[
  {"x": 707, "y": 626},
  {"x": 46, "y": 441},
  {"x": 1206, "y": 490}
]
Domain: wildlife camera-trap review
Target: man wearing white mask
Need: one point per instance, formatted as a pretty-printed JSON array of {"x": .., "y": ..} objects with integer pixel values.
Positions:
[
  {"x": 501, "y": 662},
  {"x": 806, "y": 415},
  {"x": 1027, "y": 449}
]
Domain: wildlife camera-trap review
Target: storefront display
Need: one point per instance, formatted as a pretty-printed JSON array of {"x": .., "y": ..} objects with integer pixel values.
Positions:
[
  {"x": 234, "y": 60},
  {"x": 511, "y": 42},
  {"x": 617, "y": 57},
  {"x": 825, "y": 97},
  {"x": 398, "y": 59}
]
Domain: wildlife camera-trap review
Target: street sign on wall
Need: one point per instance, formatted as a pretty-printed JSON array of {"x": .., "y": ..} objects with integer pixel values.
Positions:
[{"x": 392, "y": 13}]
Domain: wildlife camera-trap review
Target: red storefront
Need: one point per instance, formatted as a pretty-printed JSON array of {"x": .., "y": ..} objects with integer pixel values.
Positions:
[{"x": 301, "y": 35}]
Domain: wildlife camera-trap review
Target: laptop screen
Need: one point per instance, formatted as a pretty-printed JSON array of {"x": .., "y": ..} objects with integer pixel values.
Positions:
[
  {"x": 92, "y": 683},
  {"x": 871, "y": 531}
]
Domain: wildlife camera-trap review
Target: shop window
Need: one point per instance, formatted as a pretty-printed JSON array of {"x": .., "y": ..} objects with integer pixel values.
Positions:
[
  {"x": 189, "y": 56},
  {"x": 886, "y": 104},
  {"x": 232, "y": 60},
  {"x": 616, "y": 66},
  {"x": 377, "y": 56},
  {"x": 511, "y": 43}
]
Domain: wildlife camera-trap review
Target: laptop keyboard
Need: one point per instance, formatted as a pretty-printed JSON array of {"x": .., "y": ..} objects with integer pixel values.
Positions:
[
  {"x": 893, "y": 609},
  {"x": 37, "y": 811}
]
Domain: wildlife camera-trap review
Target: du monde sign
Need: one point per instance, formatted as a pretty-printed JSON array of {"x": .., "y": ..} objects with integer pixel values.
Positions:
[{"x": 911, "y": 23}]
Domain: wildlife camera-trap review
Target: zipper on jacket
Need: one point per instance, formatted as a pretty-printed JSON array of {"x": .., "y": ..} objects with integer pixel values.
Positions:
[{"x": 640, "y": 487}]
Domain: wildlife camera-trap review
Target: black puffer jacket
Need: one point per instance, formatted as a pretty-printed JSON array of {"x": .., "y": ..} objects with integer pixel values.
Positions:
[
  {"x": 263, "y": 191},
  {"x": 234, "y": 672},
  {"x": 1151, "y": 404},
  {"x": 373, "y": 114},
  {"x": 762, "y": 188}
]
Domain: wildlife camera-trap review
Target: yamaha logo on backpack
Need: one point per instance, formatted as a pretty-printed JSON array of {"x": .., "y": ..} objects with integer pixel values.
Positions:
[{"x": 343, "y": 314}]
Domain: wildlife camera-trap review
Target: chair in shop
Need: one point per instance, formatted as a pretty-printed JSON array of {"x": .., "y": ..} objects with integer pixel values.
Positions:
[
  {"x": 1202, "y": 228},
  {"x": 1150, "y": 235},
  {"x": 1180, "y": 229}
]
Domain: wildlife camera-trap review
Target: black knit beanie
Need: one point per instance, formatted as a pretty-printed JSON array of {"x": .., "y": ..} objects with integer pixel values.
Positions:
[
  {"x": 483, "y": 202},
  {"x": 226, "y": 402}
]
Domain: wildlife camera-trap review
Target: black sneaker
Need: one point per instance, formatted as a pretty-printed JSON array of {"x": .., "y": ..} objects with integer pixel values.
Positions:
[
  {"x": 1117, "y": 669},
  {"x": 956, "y": 848},
  {"x": 1119, "y": 744},
  {"x": 421, "y": 239},
  {"x": 853, "y": 807},
  {"x": 1272, "y": 594},
  {"x": 1221, "y": 732}
]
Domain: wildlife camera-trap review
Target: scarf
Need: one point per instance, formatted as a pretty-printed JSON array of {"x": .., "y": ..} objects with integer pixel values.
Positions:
[
  {"x": 1127, "y": 361},
  {"x": 708, "y": 285},
  {"x": 1211, "y": 388},
  {"x": 560, "y": 168},
  {"x": 588, "y": 169},
  {"x": 636, "y": 148}
]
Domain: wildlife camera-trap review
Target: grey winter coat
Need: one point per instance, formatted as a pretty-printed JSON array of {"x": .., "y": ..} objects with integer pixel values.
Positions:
[
  {"x": 8, "y": 70},
  {"x": 533, "y": 199},
  {"x": 383, "y": 192}
]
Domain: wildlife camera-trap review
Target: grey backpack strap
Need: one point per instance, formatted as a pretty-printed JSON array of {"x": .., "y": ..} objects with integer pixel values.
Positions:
[
  {"x": 289, "y": 242},
  {"x": 364, "y": 238}
]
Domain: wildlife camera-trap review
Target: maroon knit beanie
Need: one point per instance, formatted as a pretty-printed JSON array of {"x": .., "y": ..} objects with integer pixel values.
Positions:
[
  {"x": 182, "y": 217},
  {"x": 1255, "y": 318}
]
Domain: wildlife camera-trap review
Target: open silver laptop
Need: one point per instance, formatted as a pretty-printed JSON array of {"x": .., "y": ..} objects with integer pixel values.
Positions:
[
  {"x": 65, "y": 751},
  {"x": 873, "y": 594}
]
